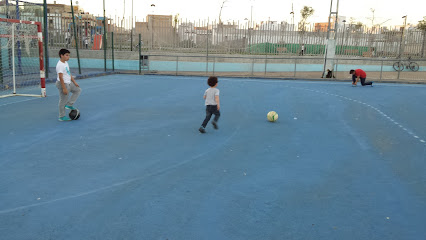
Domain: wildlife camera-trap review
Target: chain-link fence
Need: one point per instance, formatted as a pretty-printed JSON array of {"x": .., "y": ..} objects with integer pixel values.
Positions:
[
  {"x": 161, "y": 34},
  {"x": 169, "y": 36}
]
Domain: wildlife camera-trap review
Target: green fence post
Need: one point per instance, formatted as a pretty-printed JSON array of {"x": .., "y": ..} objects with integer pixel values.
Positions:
[
  {"x": 75, "y": 38},
  {"x": 105, "y": 41},
  {"x": 1, "y": 65},
  {"x": 139, "y": 44},
  {"x": 177, "y": 65},
  {"x": 112, "y": 50}
]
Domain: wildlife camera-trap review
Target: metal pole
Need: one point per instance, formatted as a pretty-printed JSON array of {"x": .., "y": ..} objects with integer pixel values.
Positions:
[
  {"x": 207, "y": 65},
  {"x": 104, "y": 43},
  {"x": 402, "y": 37},
  {"x": 343, "y": 38},
  {"x": 140, "y": 67},
  {"x": 252, "y": 67},
  {"x": 46, "y": 51},
  {"x": 131, "y": 31},
  {"x": 295, "y": 64},
  {"x": 423, "y": 45},
  {"x": 112, "y": 49},
  {"x": 7, "y": 8},
  {"x": 266, "y": 64},
  {"x": 214, "y": 63},
  {"x": 18, "y": 42},
  {"x": 13, "y": 59},
  {"x": 177, "y": 64},
  {"x": 75, "y": 38}
]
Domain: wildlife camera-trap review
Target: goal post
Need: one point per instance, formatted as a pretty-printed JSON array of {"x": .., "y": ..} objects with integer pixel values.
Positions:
[{"x": 22, "y": 71}]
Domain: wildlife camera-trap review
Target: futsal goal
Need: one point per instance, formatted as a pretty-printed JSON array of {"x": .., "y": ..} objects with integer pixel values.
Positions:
[{"x": 22, "y": 71}]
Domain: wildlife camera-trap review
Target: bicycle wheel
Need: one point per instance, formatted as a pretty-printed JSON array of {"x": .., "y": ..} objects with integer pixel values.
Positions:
[
  {"x": 414, "y": 66},
  {"x": 398, "y": 66}
]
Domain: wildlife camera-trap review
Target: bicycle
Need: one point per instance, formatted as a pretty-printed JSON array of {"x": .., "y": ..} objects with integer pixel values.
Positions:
[{"x": 400, "y": 65}]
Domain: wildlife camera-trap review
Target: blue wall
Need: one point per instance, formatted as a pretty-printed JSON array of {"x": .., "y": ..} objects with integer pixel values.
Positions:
[{"x": 218, "y": 67}]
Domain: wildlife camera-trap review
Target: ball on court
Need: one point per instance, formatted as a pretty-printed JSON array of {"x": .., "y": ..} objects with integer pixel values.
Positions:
[
  {"x": 272, "y": 116},
  {"x": 74, "y": 114}
]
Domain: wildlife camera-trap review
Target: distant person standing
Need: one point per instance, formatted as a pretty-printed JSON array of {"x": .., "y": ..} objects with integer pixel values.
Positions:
[
  {"x": 359, "y": 74},
  {"x": 67, "y": 38},
  {"x": 302, "y": 50}
]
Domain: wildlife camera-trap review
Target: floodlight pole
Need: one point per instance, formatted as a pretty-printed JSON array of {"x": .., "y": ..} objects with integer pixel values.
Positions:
[
  {"x": 330, "y": 49},
  {"x": 131, "y": 31},
  {"x": 75, "y": 38},
  {"x": 104, "y": 43},
  {"x": 402, "y": 36}
]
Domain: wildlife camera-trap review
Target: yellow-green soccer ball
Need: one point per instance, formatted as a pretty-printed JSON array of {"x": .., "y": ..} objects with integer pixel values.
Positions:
[{"x": 272, "y": 116}]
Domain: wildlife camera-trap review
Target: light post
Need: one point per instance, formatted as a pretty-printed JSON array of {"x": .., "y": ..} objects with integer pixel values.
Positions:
[
  {"x": 131, "y": 32},
  {"x": 152, "y": 26},
  {"x": 251, "y": 14},
  {"x": 249, "y": 35},
  {"x": 402, "y": 36},
  {"x": 343, "y": 38},
  {"x": 292, "y": 26}
]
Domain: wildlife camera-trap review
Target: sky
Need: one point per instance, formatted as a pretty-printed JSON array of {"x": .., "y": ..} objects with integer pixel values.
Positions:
[{"x": 388, "y": 12}]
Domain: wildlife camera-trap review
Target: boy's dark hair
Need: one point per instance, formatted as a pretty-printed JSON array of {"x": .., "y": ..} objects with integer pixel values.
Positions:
[
  {"x": 212, "y": 81},
  {"x": 63, "y": 51},
  {"x": 351, "y": 71}
]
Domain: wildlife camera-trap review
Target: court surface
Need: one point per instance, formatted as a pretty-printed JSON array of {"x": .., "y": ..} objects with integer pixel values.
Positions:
[{"x": 341, "y": 162}]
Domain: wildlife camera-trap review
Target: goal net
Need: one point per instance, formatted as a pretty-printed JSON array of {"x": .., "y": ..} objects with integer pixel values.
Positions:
[{"x": 21, "y": 59}]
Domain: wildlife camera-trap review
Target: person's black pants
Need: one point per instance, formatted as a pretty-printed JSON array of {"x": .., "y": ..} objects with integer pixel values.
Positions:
[
  {"x": 363, "y": 82},
  {"x": 211, "y": 110}
]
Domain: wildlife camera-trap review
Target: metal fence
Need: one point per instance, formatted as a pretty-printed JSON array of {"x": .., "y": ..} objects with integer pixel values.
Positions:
[
  {"x": 167, "y": 34},
  {"x": 265, "y": 38},
  {"x": 279, "y": 67}
]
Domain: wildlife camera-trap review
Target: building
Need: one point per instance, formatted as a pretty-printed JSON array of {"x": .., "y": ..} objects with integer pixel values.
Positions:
[
  {"x": 158, "y": 31},
  {"x": 323, "y": 27}
]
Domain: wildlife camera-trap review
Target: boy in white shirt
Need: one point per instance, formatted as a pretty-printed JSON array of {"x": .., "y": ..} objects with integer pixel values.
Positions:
[
  {"x": 211, "y": 96},
  {"x": 65, "y": 83}
]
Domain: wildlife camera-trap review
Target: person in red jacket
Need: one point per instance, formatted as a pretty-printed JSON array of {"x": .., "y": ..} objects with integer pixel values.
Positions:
[{"x": 359, "y": 74}]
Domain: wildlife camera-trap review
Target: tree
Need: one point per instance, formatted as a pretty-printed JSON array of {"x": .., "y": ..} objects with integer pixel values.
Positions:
[
  {"x": 358, "y": 26},
  {"x": 176, "y": 20},
  {"x": 422, "y": 26},
  {"x": 305, "y": 13},
  {"x": 220, "y": 12}
]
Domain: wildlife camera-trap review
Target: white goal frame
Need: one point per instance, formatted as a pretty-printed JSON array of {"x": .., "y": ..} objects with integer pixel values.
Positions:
[{"x": 41, "y": 59}]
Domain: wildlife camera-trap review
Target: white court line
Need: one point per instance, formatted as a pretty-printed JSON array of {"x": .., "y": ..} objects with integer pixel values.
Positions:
[
  {"x": 159, "y": 172},
  {"x": 380, "y": 113},
  {"x": 56, "y": 93}
]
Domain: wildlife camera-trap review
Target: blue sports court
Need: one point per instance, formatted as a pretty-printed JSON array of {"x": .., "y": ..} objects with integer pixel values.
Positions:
[{"x": 341, "y": 162}]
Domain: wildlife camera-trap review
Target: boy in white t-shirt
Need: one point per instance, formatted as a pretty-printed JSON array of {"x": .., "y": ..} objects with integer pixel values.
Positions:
[
  {"x": 211, "y": 96},
  {"x": 65, "y": 83}
]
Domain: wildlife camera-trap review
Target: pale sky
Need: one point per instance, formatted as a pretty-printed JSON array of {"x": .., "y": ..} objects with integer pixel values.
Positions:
[{"x": 262, "y": 10}]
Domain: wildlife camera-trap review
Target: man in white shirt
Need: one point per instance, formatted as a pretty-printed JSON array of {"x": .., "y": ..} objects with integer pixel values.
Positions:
[{"x": 65, "y": 83}]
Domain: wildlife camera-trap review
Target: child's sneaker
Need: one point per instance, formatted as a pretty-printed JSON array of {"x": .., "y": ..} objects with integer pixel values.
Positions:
[
  {"x": 70, "y": 107},
  {"x": 215, "y": 125},
  {"x": 202, "y": 130},
  {"x": 64, "y": 118}
]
